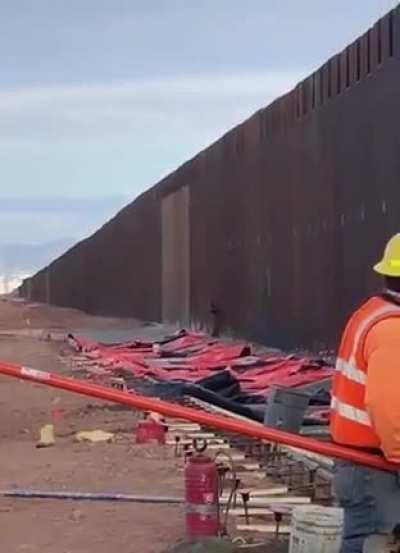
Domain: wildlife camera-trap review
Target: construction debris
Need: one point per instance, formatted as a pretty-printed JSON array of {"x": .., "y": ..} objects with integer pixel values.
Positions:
[
  {"x": 226, "y": 374},
  {"x": 253, "y": 430},
  {"x": 47, "y": 437},
  {"x": 269, "y": 479},
  {"x": 94, "y": 436}
]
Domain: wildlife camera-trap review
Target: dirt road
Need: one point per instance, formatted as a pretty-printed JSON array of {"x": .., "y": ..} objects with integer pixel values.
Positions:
[{"x": 71, "y": 527}]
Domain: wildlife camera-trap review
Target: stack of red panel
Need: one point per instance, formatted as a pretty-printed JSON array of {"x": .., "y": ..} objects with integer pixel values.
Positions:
[{"x": 192, "y": 356}]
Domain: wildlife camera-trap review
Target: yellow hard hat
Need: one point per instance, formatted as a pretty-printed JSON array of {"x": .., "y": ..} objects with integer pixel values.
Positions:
[{"x": 390, "y": 264}]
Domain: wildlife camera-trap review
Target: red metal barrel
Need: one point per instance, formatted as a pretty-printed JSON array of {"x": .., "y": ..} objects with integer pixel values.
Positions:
[{"x": 201, "y": 491}]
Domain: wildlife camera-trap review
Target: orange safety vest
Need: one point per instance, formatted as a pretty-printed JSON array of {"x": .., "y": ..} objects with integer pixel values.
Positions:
[{"x": 350, "y": 421}]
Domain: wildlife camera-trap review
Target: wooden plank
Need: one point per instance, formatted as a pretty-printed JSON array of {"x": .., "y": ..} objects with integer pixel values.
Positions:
[
  {"x": 203, "y": 436},
  {"x": 263, "y": 501},
  {"x": 282, "y": 490},
  {"x": 249, "y": 466},
  {"x": 286, "y": 500},
  {"x": 238, "y": 457},
  {"x": 263, "y": 528},
  {"x": 177, "y": 427},
  {"x": 253, "y": 474},
  {"x": 310, "y": 455},
  {"x": 214, "y": 409},
  {"x": 217, "y": 446},
  {"x": 188, "y": 441},
  {"x": 260, "y": 512},
  {"x": 239, "y": 512},
  {"x": 267, "y": 492},
  {"x": 186, "y": 428},
  {"x": 210, "y": 447}
]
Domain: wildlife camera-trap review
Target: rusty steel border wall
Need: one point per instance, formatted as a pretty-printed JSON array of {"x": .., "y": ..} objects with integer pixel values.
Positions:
[{"x": 286, "y": 214}]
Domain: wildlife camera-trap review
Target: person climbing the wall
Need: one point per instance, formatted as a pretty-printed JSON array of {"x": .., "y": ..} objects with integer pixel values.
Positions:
[
  {"x": 365, "y": 411},
  {"x": 215, "y": 312}
]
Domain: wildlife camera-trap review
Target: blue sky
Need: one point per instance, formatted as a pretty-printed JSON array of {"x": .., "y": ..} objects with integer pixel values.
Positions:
[{"x": 101, "y": 98}]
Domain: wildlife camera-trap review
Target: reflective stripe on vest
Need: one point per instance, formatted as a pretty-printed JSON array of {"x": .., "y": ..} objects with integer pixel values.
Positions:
[
  {"x": 369, "y": 322},
  {"x": 349, "y": 412},
  {"x": 350, "y": 370}
]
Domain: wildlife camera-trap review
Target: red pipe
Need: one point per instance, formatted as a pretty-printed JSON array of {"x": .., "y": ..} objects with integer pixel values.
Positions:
[{"x": 250, "y": 429}]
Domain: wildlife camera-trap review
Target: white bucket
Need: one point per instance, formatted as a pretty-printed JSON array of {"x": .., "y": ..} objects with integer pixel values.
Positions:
[{"x": 316, "y": 529}]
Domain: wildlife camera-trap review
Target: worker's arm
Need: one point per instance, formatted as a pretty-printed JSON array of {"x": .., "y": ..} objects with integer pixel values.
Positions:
[{"x": 382, "y": 353}]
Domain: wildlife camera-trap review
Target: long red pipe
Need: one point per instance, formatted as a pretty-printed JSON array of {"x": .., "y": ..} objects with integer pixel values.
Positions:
[{"x": 215, "y": 421}]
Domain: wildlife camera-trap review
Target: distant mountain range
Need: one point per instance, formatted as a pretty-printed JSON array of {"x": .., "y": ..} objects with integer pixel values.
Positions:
[
  {"x": 27, "y": 223},
  {"x": 29, "y": 258}
]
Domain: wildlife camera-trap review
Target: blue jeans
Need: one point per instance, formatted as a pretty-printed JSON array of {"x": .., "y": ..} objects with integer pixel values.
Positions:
[{"x": 371, "y": 502}]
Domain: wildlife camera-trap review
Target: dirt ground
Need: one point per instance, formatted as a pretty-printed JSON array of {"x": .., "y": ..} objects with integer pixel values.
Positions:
[
  {"x": 75, "y": 527},
  {"x": 15, "y": 315}
]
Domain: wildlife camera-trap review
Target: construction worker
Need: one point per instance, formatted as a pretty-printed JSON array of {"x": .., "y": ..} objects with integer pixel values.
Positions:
[{"x": 366, "y": 412}]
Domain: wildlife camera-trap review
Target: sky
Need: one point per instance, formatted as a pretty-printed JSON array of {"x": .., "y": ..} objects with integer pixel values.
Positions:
[{"x": 99, "y": 99}]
